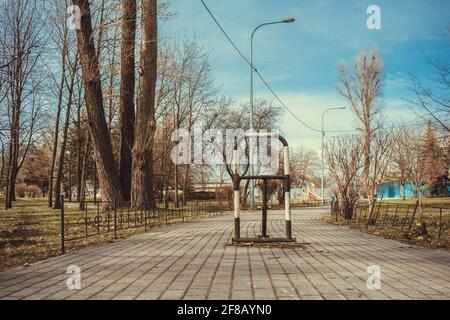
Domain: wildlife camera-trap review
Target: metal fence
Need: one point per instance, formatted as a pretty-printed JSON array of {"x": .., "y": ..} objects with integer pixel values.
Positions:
[
  {"x": 295, "y": 203},
  {"x": 111, "y": 218},
  {"x": 423, "y": 220},
  {"x": 309, "y": 203}
]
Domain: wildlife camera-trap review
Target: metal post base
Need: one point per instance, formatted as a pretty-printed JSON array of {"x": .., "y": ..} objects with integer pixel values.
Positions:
[
  {"x": 237, "y": 228},
  {"x": 262, "y": 240},
  {"x": 288, "y": 229}
]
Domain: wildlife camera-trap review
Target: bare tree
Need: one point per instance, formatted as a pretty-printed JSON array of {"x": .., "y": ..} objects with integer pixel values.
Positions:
[
  {"x": 379, "y": 161},
  {"x": 303, "y": 167},
  {"x": 417, "y": 173},
  {"x": 23, "y": 41},
  {"x": 60, "y": 38},
  {"x": 401, "y": 157},
  {"x": 435, "y": 160},
  {"x": 59, "y": 176},
  {"x": 346, "y": 168},
  {"x": 435, "y": 103},
  {"x": 362, "y": 86}
]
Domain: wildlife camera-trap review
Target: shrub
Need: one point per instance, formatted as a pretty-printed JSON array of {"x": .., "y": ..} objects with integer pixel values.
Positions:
[
  {"x": 33, "y": 191},
  {"x": 21, "y": 188}
]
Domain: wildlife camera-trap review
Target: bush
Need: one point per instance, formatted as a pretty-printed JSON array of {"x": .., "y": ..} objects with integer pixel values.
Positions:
[
  {"x": 33, "y": 191},
  {"x": 201, "y": 195},
  {"x": 23, "y": 190}
]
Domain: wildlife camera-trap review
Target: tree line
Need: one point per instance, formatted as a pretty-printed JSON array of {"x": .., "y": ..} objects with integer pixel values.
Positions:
[
  {"x": 91, "y": 111},
  {"x": 381, "y": 151}
]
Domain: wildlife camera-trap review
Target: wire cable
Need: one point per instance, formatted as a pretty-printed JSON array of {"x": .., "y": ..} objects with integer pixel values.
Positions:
[
  {"x": 256, "y": 70},
  {"x": 277, "y": 97}
]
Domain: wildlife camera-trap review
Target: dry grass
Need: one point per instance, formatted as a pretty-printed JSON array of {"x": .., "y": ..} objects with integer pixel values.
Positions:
[
  {"x": 31, "y": 231},
  {"x": 394, "y": 220}
]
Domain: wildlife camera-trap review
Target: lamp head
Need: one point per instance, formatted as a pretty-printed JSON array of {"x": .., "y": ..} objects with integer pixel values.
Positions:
[{"x": 288, "y": 20}]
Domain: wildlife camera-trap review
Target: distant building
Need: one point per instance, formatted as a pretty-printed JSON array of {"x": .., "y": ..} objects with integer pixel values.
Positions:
[
  {"x": 307, "y": 192},
  {"x": 393, "y": 190}
]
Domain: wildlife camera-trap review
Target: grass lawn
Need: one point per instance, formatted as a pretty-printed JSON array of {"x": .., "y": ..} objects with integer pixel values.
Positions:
[{"x": 438, "y": 201}]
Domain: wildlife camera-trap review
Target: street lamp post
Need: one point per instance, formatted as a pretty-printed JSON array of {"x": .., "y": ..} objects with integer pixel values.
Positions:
[
  {"x": 252, "y": 170},
  {"x": 323, "y": 162}
]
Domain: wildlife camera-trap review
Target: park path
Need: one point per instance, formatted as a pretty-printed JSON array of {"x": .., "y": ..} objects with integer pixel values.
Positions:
[{"x": 191, "y": 261}]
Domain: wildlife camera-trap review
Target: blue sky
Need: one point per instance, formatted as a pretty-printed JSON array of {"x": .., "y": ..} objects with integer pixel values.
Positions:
[{"x": 299, "y": 60}]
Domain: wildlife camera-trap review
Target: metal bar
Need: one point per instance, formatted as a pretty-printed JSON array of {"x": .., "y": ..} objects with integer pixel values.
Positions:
[
  {"x": 145, "y": 219},
  {"x": 264, "y": 211},
  {"x": 98, "y": 217},
  {"x": 413, "y": 215},
  {"x": 115, "y": 218},
  {"x": 406, "y": 217}
]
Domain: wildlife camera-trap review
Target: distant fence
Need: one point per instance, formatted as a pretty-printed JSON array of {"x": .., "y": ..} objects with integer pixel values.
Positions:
[
  {"x": 309, "y": 203},
  {"x": 425, "y": 220},
  {"x": 274, "y": 204}
]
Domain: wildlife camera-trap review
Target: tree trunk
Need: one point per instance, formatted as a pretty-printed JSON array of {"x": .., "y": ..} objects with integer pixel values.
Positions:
[
  {"x": 107, "y": 170},
  {"x": 127, "y": 85},
  {"x": 403, "y": 191},
  {"x": 142, "y": 165},
  {"x": 62, "y": 150},
  {"x": 58, "y": 114},
  {"x": 79, "y": 163},
  {"x": 244, "y": 197},
  {"x": 176, "y": 199},
  {"x": 95, "y": 183},
  {"x": 2, "y": 171},
  {"x": 69, "y": 187},
  {"x": 9, "y": 178},
  {"x": 84, "y": 173},
  {"x": 186, "y": 182},
  {"x": 14, "y": 147},
  {"x": 367, "y": 140}
]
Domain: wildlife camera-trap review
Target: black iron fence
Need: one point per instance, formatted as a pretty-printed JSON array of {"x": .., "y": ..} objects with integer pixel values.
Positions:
[
  {"x": 431, "y": 221},
  {"x": 309, "y": 203},
  {"x": 295, "y": 203},
  {"x": 110, "y": 219}
]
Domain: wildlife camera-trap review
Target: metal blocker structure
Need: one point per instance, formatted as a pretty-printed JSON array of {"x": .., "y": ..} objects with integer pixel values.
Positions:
[{"x": 236, "y": 178}]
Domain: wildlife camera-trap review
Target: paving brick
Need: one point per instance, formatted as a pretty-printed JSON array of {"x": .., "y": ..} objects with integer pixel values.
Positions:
[{"x": 191, "y": 261}]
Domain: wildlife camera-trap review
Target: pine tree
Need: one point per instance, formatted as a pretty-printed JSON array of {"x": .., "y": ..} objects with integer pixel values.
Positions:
[{"x": 434, "y": 157}]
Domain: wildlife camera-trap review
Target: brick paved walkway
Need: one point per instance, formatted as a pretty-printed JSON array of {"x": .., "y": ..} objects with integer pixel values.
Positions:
[{"x": 191, "y": 261}]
